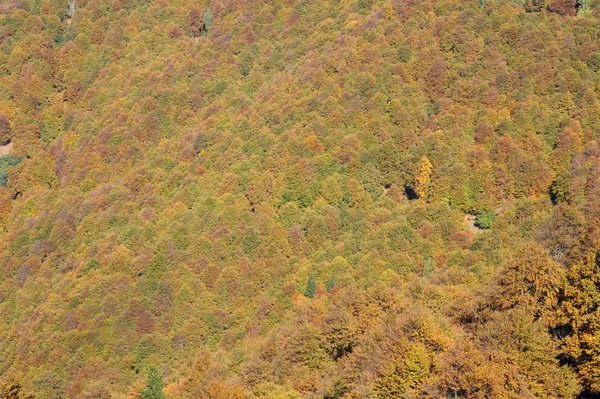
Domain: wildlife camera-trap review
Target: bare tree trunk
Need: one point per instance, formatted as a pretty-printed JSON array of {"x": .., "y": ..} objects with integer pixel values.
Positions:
[{"x": 71, "y": 9}]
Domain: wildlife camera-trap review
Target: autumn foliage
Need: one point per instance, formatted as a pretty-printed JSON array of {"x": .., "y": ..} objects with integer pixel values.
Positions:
[{"x": 299, "y": 199}]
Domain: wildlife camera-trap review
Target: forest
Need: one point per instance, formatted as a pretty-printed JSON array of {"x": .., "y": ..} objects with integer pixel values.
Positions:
[{"x": 295, "y": 199}]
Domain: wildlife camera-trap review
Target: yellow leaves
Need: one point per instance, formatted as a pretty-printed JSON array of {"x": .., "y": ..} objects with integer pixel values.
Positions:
[
  {"x": 178, "y": 209},
  {"x": 423, "y": 177},
  {"x": 313, "y": 144},
  {"x": 283, "y": 215},
  {"x": 17, "y": 57},
  {"x": 390, "y": 278},
  {"x": 272, "y": 391},
  {"x": 388, "y": 11},
  {"x": 358, "y": 196},
  {"x": 579, "y": 314},
  {"x": 52, "y": 118},
  {"x": 38, "y": 171},
  {"x": 495, "y": 116},
  {"x": 407, "y": 374},
  {"x": 229, "y": 184},
  {"x": 83, "y": 41},
  {"x": 350, "y": 26},
  {"x": 12, "y": 389},
  {"x": 8, "y": 109},
  {"x": 331, "y": 190},
  {"x": 349, "y": 150},
  {"x": 320, "y": 203},
  {"x": 6, "y": 205},
  {"x": 70, "y": 141},
  {"x": 339, "y": 272},
  {"x": 89, "y": 182},
  {"x": 120, "y": 259},
  {"x": 326, "y": 25},
  {"x": 531, "y": 281},
  {"x": 217, "y": 389}
]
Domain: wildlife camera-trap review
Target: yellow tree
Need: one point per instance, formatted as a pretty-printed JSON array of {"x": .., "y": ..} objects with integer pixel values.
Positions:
[
  {"x": 578, "y": 319},
  {"x": 423, "y": 176}
]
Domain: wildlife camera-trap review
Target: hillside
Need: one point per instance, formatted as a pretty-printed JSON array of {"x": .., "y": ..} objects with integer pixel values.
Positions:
[{"x": 300, "y": 199}]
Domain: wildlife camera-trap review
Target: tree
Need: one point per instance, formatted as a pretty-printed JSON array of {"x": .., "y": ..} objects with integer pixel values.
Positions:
[
  {"x": 208, "y": 21},
  {"x": 578, "y": 318},
  {"x": 534, "y": 5},
  {"x": 12, "y": 389},
  {"x": 531, "y": 281},
  {"x": 195, "y": 22},
  {"x": 408, "y": 373},
  {"x": 5, "y": 131},
  {"x": 423, "y": 176},
  {"x": 175, "y": 32},
  {"x": 311, "y": 287},
  {"x": 70, "y": 11},
  {"x": 485, "y": 219},
  {"x": 154, "y": 386},
  {"x": 563, "y": 7},
  {"x": 583, "y": 6}
]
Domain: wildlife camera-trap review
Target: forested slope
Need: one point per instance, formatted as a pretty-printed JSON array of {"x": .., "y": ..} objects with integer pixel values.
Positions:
[{"x": 300, "y": 199}]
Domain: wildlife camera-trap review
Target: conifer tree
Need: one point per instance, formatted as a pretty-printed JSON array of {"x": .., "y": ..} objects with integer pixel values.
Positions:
[
  {"x": 154, "y": 386},
  {"x": 208, "y": 21},
  {"x": 311, "y": 287}
]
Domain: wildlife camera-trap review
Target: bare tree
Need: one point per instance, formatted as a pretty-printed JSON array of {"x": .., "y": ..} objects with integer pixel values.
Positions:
[{"x": 70, "y": 9}]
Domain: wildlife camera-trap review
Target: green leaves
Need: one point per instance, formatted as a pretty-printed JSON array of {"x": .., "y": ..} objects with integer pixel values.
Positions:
[
  {"x": 259, "y": 210},
  {"x": 154, "y": 386},
  {"x": 311, "y": 287},
  {"x": 6, "y": 162},
  {"x": 485, "y": 219}
]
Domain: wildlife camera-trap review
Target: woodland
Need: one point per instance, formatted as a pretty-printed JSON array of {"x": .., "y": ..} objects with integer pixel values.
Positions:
[{"x": 289, "y": 199}]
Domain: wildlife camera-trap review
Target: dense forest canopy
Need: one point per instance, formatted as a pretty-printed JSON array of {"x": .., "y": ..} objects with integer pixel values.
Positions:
[{"x": 299, "y": 199}]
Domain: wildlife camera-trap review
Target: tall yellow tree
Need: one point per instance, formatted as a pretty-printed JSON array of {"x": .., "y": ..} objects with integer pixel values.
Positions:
[
  {"x": 423, "y": 176},
  {"x": 578, "y": 319}
]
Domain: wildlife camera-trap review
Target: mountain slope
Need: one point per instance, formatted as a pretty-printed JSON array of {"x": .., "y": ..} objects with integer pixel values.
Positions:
[{"x": 268, "y": 199}]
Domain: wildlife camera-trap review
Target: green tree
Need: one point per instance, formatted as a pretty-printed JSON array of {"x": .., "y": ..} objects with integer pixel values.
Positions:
[
  {"x": 311, "y": 287},
  {"x": 208, "y": 20},
  {"x": 485, "y": 219},
  {"x": 583, "y": 6},
  {"x": 154, "y": 386}
]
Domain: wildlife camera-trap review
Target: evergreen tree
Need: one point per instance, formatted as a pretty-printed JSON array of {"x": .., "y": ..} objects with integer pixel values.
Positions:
[
  {"x": 311, "y": 287},
  {"x": 154, "y": 386},
  {"x": 208, "y": 21}
]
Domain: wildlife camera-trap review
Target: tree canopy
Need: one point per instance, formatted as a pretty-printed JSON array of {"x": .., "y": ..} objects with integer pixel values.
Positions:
[{"x": 299, "y": 199}]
